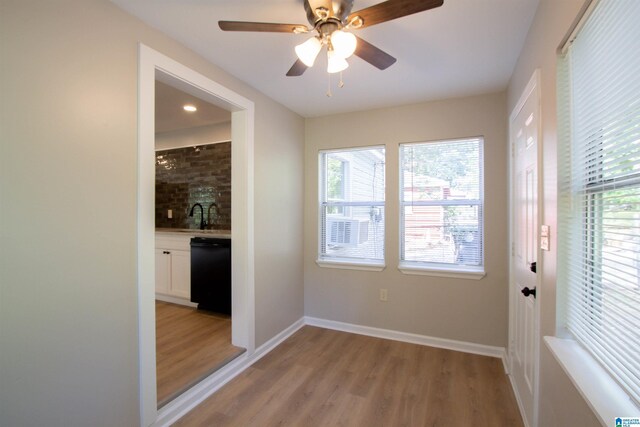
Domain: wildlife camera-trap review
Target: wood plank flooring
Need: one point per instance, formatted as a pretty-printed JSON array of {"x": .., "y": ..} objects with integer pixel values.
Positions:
[
  {"x": 190, "y": 345},
  {"x": 320, "y": 377}
]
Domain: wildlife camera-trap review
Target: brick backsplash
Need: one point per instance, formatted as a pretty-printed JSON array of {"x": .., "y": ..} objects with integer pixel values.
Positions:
[{"x": 185, "y": 176}]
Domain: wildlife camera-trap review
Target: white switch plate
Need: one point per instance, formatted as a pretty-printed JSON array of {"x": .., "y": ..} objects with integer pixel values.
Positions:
[
  {"x": 544, "y": 230},
  {"x": 544, "y": 237},
  {"x": 383, "y": 295},
  {"x": 544, "y": 243},
  {"x": 169, "y": 213}
]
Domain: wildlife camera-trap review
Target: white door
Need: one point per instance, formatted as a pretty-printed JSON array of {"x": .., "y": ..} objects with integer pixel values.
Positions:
[{"x": 523, "y": 327}]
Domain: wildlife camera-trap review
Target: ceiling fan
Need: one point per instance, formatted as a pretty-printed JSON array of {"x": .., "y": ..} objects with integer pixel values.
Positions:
[{"x": 332, "y": 20}]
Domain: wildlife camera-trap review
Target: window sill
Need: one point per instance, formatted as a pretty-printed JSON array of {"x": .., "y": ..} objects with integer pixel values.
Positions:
[
  {"x": 351, "y": 265},
  {"x": 601, "y": 392},
  {"x": 457, "y": 273}
]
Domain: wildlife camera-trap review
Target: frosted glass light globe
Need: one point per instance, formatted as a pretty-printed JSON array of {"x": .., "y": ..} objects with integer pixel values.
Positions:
[
  {"x": 344, "y": 44},
  {"x": 336, "y": 63},
  {"x": 308, "y": 51}
]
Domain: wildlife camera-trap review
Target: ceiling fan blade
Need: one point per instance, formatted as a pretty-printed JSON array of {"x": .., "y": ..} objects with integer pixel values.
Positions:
[
  {"x": 265, "y": 27},
  {"x": 393, "y": 9},
  {"x": 374, "y": 56},
  {"x": 297, "y": 69}
]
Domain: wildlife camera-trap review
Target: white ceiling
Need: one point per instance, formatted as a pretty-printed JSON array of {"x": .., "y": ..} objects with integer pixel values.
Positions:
[
  {"x": 463, "y": 48},
  {"x": 170, "y": 114}
]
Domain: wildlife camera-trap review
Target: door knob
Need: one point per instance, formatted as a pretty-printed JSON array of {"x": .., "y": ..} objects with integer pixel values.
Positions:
[
  {"x": 532, "y": 266},
  {"x": 526, "y": 292}
]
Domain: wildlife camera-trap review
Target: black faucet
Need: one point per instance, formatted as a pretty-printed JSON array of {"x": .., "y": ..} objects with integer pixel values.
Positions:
[
  {"x": 203, "y": 223},
  {"x": 209, "y": 212}
]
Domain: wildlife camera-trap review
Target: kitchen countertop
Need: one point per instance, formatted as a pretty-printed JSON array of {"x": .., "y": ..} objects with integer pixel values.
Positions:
[{"x": 217, "y": 234}]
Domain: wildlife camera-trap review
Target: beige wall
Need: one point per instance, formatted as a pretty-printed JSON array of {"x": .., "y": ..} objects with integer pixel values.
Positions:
[
  {"x": 560, "y": 402},
  {"x": 68, "y": 141},
  {"x": 457, "y": 309}
]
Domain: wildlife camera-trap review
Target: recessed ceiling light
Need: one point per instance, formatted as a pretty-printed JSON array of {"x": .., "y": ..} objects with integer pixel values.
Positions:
[{"x": 190, "y": 108}]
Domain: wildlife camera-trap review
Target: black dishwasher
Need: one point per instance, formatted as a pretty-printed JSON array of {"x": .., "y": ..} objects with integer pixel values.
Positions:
[{"x": 211, "y": 274}]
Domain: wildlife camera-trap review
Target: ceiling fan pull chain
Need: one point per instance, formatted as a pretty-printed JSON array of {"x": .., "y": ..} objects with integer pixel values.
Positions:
[
  {"x": 341, "y": 83},
  {"x": 329, "y": 94}
]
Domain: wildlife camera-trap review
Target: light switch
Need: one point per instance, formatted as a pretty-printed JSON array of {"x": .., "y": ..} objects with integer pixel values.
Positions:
[
  {"x": 544, "y": 237},
  {"x": 169, "y": 213},
  {"x": 544, "y": 230}
]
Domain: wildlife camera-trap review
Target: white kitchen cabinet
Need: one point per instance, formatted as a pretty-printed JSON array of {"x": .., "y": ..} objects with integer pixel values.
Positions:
[
  {"x": 163, "y": 271},
  {"x": 173, "y": 268},
  {"x": 181, "y": 274}
]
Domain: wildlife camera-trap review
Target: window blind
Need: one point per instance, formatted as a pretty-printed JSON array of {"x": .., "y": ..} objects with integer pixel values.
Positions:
[
  {"x": 441, "y": 204},
  {"x": 599, "y": 180},
  {"x": 351, "y": 208}
]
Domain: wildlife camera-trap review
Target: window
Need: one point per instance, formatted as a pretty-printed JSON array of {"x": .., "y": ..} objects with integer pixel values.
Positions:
[
  {"x": 351, "y": 209},
  {"x": 441, "y": 205},
  {"x": 336, "y": 183},
  {"x": 599, "y": 199}
]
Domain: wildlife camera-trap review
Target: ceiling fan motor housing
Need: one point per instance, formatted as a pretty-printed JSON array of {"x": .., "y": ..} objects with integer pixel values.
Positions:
[
  {"x": 328, "y": 27},
  {"x": 324, "y": 10}
]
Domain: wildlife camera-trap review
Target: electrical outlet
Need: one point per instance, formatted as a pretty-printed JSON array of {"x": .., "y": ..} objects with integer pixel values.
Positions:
[
  {"x": 383, "y": 295},
  {"x": 169, "y": 213}
]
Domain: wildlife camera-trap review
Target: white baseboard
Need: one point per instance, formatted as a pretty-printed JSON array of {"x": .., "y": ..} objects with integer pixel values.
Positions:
[
  {"x": 505, "y": 362},
  {"x": 507, "y": 370},
  {"x": 184, "y": 403},
  {"x": 518, "y": 401},
  {"x": 176, "y": 300},
  {"x": 265, "y": 348},
  {"x": 177, "y": 408},
  {"x": 465, "y": 347}
]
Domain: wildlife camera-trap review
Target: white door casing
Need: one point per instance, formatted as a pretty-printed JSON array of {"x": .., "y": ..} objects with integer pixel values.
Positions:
[
  {"x": 525, "y": 208},
  {"x": 153, "y": 65}
]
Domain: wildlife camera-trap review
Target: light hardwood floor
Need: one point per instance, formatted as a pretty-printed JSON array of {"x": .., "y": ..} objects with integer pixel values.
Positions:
[
  {"x": 190, "y": 345},
  {"x": 320, "y": 377}
]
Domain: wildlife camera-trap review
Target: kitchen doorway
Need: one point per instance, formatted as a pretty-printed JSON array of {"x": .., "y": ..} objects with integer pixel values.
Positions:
[
  {"x": 192, "y": 246},
  {"x": 156, "y": 66}
]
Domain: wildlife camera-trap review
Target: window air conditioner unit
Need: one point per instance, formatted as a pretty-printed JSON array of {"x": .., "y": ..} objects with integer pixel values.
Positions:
[{"x": 347, "y": 231}]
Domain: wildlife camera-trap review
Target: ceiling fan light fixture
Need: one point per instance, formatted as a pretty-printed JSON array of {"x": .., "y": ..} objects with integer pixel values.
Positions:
[
  {"x": 344, "y": 44},
  {"x": 308, "y": 51},
  {"x": 299, "y": 29},
  {"x": 322, "y": 13},
  {"x": 355, "y": 22},
  {"x": 335, "y": 63}
]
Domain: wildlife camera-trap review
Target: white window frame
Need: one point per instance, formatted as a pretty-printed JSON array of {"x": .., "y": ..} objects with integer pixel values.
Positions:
[
  {"x": 346, "y": 182},
  {"x": 433, "y": 268},
  {"x": 602, "y": 392},
  {"x": 337, "y": 262}
]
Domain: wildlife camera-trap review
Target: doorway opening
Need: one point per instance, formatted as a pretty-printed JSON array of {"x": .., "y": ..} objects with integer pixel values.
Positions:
[
  {"x": 156, "y": 66},
  {"x": 192, "y": 247}
]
